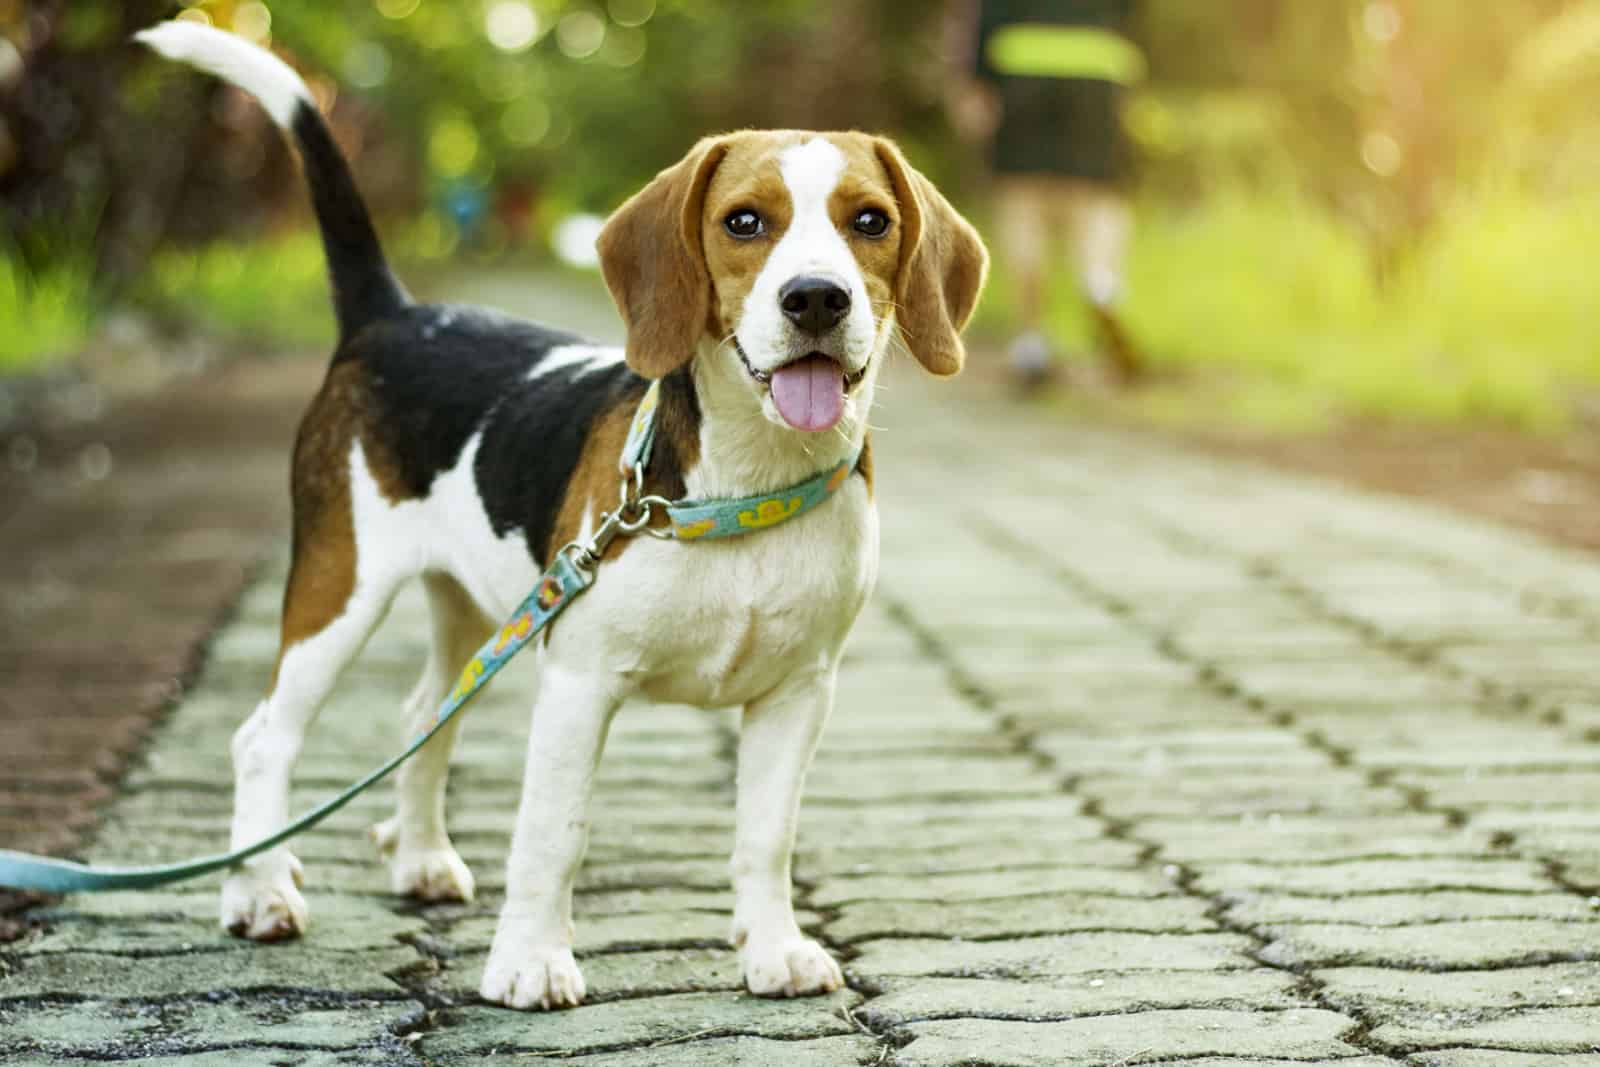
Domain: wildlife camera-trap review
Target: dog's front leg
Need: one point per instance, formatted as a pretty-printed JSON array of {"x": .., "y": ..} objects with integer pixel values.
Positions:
[
  {"x": 777, "y": 739},
  {"x": 530, "y": 963}
]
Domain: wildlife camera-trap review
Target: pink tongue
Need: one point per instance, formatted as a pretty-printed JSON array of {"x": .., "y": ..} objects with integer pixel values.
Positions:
[{"x": 809, "y": 393}]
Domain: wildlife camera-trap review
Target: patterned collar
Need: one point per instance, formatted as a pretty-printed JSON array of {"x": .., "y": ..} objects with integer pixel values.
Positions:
[{"x": 703, "y": 520}]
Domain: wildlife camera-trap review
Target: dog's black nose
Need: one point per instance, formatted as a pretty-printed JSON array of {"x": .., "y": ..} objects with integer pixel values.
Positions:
[{"x": 813, "y": 304}]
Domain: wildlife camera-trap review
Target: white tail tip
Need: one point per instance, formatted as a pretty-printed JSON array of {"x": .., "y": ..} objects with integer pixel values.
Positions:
[{"x": 233, "y": 59}]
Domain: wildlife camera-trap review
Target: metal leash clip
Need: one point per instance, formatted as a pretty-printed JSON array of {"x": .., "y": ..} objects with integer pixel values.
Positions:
[{"x": 632, "y": 517}]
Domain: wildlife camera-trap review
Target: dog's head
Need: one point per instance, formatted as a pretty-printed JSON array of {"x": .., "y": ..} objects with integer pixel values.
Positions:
[{"x": 795, "y": 256}]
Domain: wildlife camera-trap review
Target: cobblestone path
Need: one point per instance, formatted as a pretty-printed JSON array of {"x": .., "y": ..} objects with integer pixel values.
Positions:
[{"x": 1139, "y": 758}]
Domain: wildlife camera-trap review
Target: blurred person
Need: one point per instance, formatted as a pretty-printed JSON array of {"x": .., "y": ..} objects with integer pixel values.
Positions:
[{"x": 1043, "y": 81}]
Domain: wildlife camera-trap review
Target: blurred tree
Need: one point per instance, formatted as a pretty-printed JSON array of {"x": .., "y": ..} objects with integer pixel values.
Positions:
[
  {"x": 566, "y": 103},
  {"x": 1379, "y": 108},
  {"x": 79, "y": 132}
]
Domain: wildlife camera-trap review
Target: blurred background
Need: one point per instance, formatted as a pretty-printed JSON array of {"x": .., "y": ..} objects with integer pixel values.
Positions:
[{"x": 1352, "y": 209}]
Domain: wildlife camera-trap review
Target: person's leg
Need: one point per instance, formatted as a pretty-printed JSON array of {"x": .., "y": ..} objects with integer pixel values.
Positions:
[
  {"x": 1102, "y": 227},
  {"x": 1023, "y": 225}
]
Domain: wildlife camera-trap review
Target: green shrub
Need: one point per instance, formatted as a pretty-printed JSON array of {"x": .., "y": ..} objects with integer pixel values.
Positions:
[
  {"x": 272, "y": 292},
  {"x": 44, "y": 315},
  {"x": 1489, "y": 318}
]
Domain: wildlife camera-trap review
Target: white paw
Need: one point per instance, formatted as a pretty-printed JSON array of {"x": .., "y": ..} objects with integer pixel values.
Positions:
[
  {"x": 385, "y": 835},
  {"x": 264, "y": 904},
  {"x": 788, "y": 967},
  {"x": 433, "y": 874},
  {"x": 544, "y": 978},
  {"x": 424, "y": 873}
]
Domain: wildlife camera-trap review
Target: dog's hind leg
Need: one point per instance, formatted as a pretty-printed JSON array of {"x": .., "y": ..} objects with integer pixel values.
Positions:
[
  {"x": 328, "y": 616},
  {"x": 422, "y": 861}
]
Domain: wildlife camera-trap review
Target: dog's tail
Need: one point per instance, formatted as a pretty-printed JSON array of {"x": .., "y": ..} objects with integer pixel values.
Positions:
[{"x": 364, "y": 289}]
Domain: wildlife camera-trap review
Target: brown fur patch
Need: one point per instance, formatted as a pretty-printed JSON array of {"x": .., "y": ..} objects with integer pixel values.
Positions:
[
  {"x": 748, "y": 179},
  {"x": 943, "y": 265},
  {"x": 594, "y": 485},
  {"x": 866, "y": 184},
  {"x": 652, "y": 261},
  {"x": 864, "y": 465},
  {"x": 322, "y": 574}
]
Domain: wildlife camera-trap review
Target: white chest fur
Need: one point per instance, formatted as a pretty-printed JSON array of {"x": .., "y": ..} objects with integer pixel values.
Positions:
[
  {"x": 710, "y": 623},
  {"x": 717, "y": 623}
]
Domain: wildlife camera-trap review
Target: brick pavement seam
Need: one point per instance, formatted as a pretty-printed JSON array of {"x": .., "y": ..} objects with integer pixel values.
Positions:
[
  {"x": 647, "y": 1045},
  {"x": 1414, "y": 654},
  {"x": 1113, "y": 828},
  {"x": 1186, "y": 876},
  {"x": 176, "y": 1049},
  {"x": 1535, "y": 601}
]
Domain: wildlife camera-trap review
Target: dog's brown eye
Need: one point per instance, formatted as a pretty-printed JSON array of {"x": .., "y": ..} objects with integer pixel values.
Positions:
[
  {"x": 744, "y": 225},
  {"x": 872, "y": 223}
]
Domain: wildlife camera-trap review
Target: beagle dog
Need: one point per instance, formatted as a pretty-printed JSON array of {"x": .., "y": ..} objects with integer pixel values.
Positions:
[{"x": 763, "y": 280}]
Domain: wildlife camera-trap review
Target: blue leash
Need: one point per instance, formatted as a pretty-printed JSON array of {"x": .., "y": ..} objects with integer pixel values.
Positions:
[
  {"x": 557, "y": 588},
  {"x": 571, "y": 572}
]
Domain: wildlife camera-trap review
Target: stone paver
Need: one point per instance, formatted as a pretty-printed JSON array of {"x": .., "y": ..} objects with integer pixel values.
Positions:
[{"x": 1139, "y": 758}]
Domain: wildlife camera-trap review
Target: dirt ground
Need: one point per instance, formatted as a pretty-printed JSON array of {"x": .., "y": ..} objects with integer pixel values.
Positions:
[{"x": 1550, "y": 485}]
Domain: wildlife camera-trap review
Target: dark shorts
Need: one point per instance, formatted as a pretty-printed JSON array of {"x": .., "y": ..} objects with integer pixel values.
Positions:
[{"x": 1064, "y": 126}]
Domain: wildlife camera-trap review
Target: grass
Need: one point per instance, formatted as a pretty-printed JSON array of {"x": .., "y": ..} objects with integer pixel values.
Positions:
[
  {"x": 1269, "y": 311},
  {"x": 271, "y": 292},
  {"x": 46, "y": 315}
]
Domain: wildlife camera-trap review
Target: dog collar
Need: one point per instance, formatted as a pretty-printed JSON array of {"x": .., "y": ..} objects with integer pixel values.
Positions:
[{"x": 703, "y": 520}]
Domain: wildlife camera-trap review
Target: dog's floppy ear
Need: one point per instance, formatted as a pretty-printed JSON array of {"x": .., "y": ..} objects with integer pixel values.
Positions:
[
  {"x": 655, "y": 266},
  {"x": 942, "y": 267}
]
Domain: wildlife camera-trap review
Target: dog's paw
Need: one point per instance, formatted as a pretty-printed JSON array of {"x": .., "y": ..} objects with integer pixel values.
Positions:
[
  {"x": 543, "y": 978},
  {"x": 431, "y": 874},
  {"x": 385, "y": 835},
  {"x": 789, "y": 967},
  {"x": 265, "y": 904},
  {"x": 424, "y": 873}
]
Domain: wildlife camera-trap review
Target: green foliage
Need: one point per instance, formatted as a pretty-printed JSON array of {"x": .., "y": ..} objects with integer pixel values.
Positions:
[
  {"x": 586, "y": 110},
  {"x": 1272, "y": 297},
  {"x": 272, "y": 292},
  {"x": 46, "y": 312}
]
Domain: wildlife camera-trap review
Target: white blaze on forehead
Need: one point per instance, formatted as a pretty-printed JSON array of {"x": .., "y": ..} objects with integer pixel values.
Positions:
[{"x": 811, "y": 170}]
